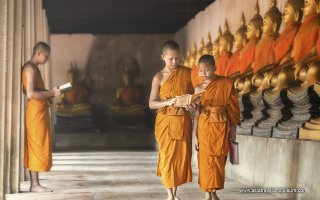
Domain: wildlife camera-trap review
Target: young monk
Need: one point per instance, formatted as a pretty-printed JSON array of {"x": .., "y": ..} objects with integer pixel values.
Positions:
[
  {"x": 38, "y": 148},
  {"x": 214, "y": 125},
  {"x": 173, "y": 124}
]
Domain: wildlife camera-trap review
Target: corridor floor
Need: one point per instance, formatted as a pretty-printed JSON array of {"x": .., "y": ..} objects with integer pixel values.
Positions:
[{"x": 119, "y": 175}]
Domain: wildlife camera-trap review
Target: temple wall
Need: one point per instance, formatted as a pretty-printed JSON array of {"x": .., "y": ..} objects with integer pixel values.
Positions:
[
  {"x": 102, "y": 59},
  {"x": 278, "y": 163}
]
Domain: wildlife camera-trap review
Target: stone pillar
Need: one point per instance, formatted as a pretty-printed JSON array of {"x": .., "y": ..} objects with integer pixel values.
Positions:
[
  {"x": 16, "y": 98},
  {"x": 3, "y": 66}
]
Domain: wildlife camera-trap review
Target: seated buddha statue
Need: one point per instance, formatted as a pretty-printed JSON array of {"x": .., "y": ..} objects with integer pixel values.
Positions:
[
  {"x": 225, "y": 48},
  {"x": 264, "y": 60},
  {"x": 283, "y": 75},
  {"x": 240, "y": 40},
  {"x": 195, "y": 79},
  {"x": 75, "y": 100},
  {"x": 186, "y": 61},
  {"x": 129, "y": 101},
  {"x": 247, "y": 54},
  {"x": 304, "y": 49},
  {"x": 215, "y": 46},
  {"x": 208, "y": 46}
]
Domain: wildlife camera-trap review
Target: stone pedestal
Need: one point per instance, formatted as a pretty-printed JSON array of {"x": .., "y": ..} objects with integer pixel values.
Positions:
[
  {"x": 245, "y": 128},
  {"x": 305, "y": 106}
]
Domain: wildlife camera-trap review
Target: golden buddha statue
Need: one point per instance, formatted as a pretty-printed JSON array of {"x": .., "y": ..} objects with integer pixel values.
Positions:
[
  {"x": 195, "y": 79},
  {"x": 304, "y": 49},
  {"x": 240, "y": 41},
  {"x": 129, "y": 101},
  {"x": 129, "y": 94},
  {"x": 215, "y": 46},
  {"x": 75, "y": 100},
  {"x": 208, "y": 47},
  {"x": 264, "y": 55},
  {"x": 283, "y": 76},
  {"x": 225, "y": 50},
  {"x": 247, "y": 54},
  {"x": 186, "y": 61}
]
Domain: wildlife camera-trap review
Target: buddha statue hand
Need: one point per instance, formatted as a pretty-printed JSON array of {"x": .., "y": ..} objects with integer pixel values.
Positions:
[{"x": 297, "y": 67}]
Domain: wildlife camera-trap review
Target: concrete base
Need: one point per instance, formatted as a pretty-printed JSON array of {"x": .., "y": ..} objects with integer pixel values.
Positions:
[{"x": 278, "y": 163}]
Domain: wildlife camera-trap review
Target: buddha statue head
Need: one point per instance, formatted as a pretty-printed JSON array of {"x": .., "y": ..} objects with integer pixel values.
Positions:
[
  {"x": 193, "y": 56},
  {"x": 215, "y": 45},
  {"x": 240, "y": 38},
  {"x": 255, "y": 24},
  {"x": 292, "y": 11},
  {"x": 200, "y": 50},
  {"x": 208, "y": 47},
  {"x": 226, "y": 40},
  {"x": 311, "y": 7},
  {"x": 186, "y": 61},
  {"x": 272, "y": 20},
  {"x": 70, "y": 75}
]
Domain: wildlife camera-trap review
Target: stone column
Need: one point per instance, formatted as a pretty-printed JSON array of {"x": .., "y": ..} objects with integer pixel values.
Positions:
[
  {"x": 16, "y": 98},
  {"x": 3, "y": 66}
]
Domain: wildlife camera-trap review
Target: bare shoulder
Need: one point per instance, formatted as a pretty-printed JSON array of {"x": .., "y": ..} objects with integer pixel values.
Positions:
[
  {"x": 28, "y": 68},
  {"x": 158, "y": 77}
]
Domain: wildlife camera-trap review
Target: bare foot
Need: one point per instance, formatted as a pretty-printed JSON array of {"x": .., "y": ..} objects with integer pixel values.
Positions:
[
  {"x": 170, "y": 198},
  {"x": 214, "y": 196},
  {"x": 176, "y": 198},
  {"x": 40, "y": 189}
]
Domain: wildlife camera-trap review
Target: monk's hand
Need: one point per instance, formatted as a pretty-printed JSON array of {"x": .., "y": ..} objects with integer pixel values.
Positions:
[
  {"x": 56, "y": 92},
  {"x": 191, "y": 107},
  {"x": 171, "y": 102},
  {"x": 196, "y": 144}
]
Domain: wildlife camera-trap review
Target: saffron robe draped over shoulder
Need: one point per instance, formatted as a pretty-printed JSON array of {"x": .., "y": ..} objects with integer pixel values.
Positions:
[
  {"x": 247, "y": 56},
  {"x": 264, "y": 54},
  {"x": 284, "y": 43},
  {"x": 222, "y": 63},
  {"x": 38, "y": 138},
  {"x": 306, "y": 37},
  {"x": 219, "y": 108},
  {"x": 173, "y": 132},
  {"x": 233, "y": 64}
]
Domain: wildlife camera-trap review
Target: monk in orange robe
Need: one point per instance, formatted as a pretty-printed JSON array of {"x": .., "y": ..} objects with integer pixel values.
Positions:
[
  {"x": 38, "y": 138},
  {"x": 214, "y": 125},
  {"x": 173, "y": 124},
  {"x": 304, "y": 46}
]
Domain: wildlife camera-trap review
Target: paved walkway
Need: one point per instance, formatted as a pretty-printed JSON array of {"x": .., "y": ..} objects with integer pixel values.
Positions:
[{"x": 117, "y": 176}]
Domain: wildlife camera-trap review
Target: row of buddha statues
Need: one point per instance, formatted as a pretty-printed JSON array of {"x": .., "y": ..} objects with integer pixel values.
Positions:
[{"x": 276, "y": 74}]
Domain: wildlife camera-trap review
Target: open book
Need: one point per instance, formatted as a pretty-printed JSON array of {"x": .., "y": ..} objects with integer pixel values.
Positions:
[
  {"x": 186, "y": 99},
  {"x": 65, "y": 87}
]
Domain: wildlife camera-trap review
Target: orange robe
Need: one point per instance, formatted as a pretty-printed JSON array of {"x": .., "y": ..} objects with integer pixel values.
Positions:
[
  {"x": 247, "y": 56},
  {"x": 195, "y": 78},
  {"x": 173, "y": 132},
  {"x": 219, "y": 108},
  {"x": 129, "y": 95},
  {"x": 233, "y": 64},
  {"x": 38, "y": 138},
  {"x": 222, "y": 63},
  {"x": 284, "y": 42},
  {"x": 76, "y": 95},
  {"x": 264, "y": 53},
  {"x": 306, "y": 37}
]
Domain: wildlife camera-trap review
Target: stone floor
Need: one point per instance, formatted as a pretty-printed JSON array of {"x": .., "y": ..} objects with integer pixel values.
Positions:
[{"x": 117, "y": 176}]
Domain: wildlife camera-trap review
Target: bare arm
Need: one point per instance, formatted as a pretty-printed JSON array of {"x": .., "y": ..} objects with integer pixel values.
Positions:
[
  {"x": 154, "y": 101},
  {"x": 30, "y": 87}
]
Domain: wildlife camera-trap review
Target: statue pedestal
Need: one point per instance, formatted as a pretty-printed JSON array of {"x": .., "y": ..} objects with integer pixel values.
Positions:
[
  {"x": 245, "y": 128},
  {"x": 311, "y": 129},
  {"x": 278, "y": 110},
  {"x": 305, "y": 107}
]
